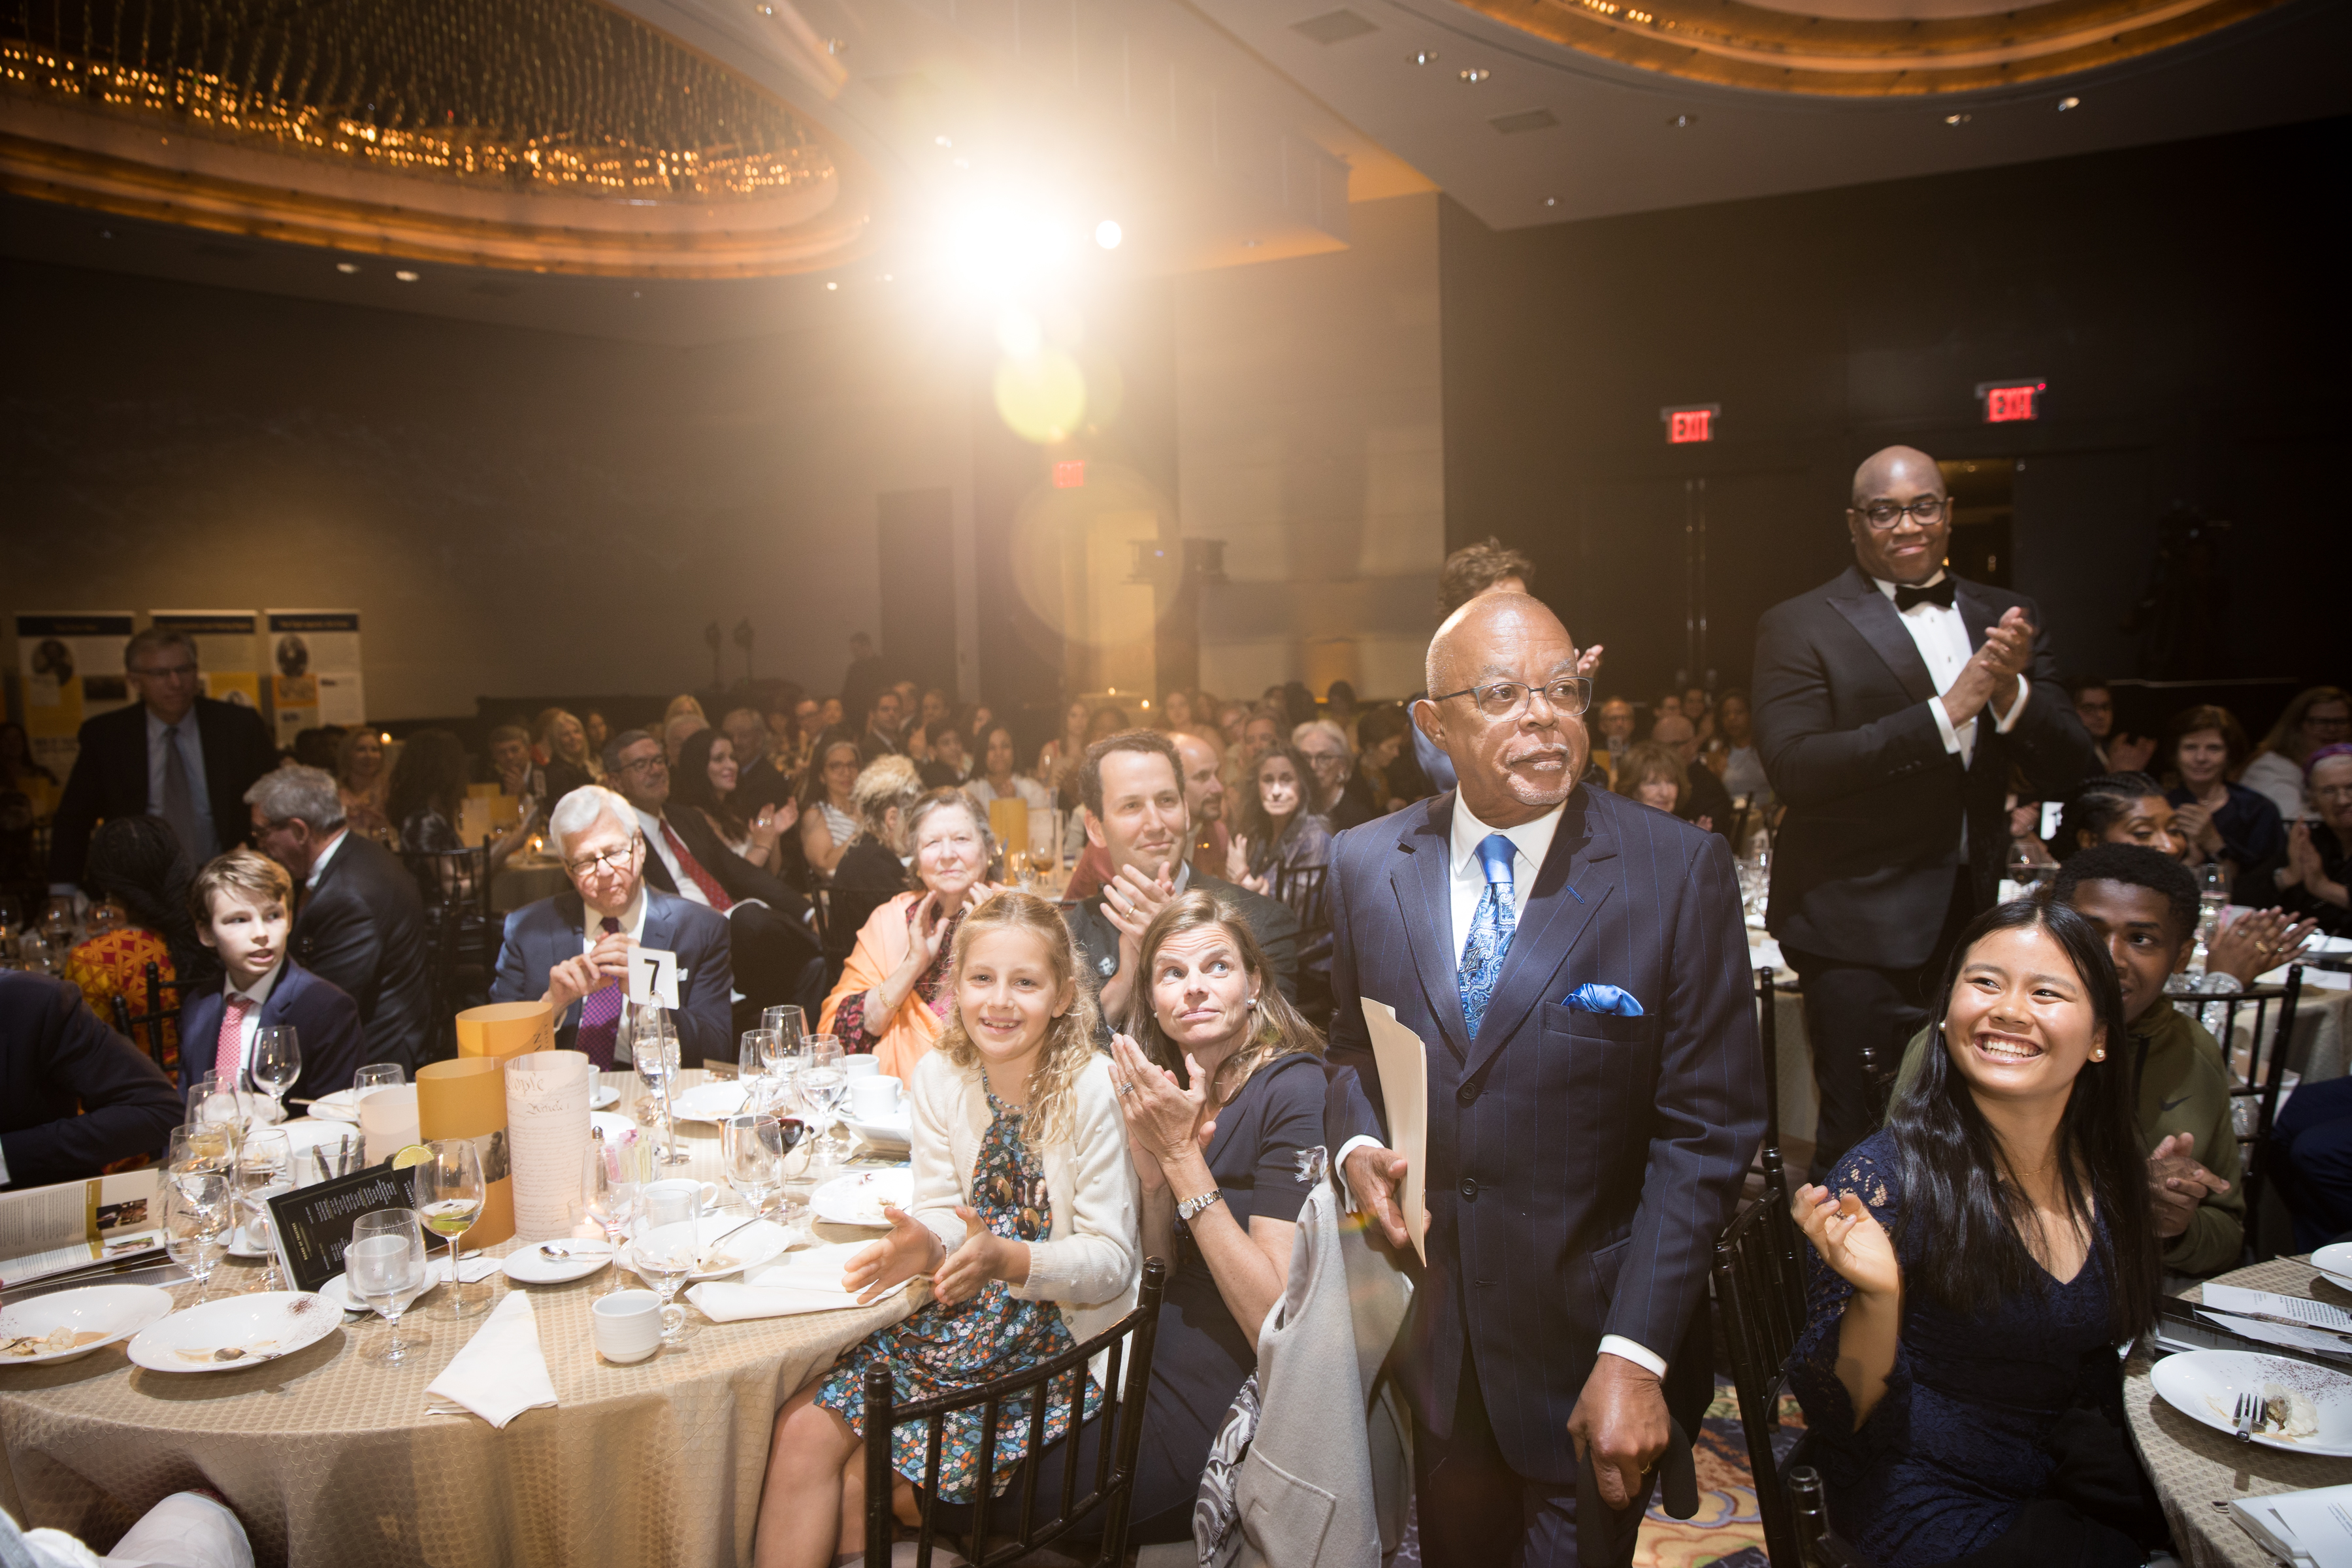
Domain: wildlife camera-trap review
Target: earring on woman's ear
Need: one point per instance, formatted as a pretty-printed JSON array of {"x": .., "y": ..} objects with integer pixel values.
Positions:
[{"x": 2100, "y": 1055}]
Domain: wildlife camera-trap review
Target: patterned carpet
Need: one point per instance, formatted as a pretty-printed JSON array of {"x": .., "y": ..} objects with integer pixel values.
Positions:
[{"x": 1726, "y": 1529}]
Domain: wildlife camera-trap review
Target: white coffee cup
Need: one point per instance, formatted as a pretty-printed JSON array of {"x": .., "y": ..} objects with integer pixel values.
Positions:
[
  {"x": 859, "y": 1065},
  {"x": 627, "y": 1325},
  {"x": 875, "y": 1098},
  {"x": 706, "y": 1193}
]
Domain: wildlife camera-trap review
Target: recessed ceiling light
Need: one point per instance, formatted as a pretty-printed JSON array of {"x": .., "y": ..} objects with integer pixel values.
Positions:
[
  {"x": 1683, "y": 122},
  {"x": 832, "y": 286},
  {"x": 1956, "y": 120},
  {"x": 1424, "y": 57},
  {"x": 347, "y": 268},
  {"x": 2067, "y": 104},
  {"x": 405, "y": 276},
  {"x": 1473, "y": 76},
  {"x": 1107, "y": 234},
  {"x": 1551, "y": 201}
]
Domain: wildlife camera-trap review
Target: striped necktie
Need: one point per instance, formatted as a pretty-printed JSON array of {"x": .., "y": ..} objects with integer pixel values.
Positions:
[
  {"x": 1492, "y": 926},
  {"x": 228, "y": 1053}
]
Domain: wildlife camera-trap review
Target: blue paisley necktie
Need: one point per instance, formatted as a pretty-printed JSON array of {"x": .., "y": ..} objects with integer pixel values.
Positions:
[{"x": 1491, "y": 928}]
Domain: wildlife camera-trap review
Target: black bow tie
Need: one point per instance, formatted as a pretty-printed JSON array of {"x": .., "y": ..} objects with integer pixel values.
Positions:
[{"x": 1933, "y": 594}]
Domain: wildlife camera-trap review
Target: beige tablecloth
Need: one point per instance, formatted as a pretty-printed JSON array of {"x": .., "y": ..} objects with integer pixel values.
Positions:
[
  {"x": 520, "y": 882},
  {"x": 2199, "y": 1470},
  {"x": 332, "y": 1460}
]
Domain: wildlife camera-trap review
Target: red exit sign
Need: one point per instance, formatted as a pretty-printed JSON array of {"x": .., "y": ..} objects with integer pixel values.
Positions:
[
  {"x": 1692, "y": 422},
  {"x": 1070, "y": 474},
  {"x": 2006, "y": 401}
]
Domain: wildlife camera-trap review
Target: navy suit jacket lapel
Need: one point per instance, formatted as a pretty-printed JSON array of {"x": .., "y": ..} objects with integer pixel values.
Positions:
[
  {"x": 200, "y": 1035},
  {"x": 1424, "y": 891},
  {"x": 1873, "y": 614},
  {"x": 1562, "y": 904}
]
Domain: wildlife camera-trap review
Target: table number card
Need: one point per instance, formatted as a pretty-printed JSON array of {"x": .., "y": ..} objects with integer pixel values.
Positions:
[
  {"x": 653, "y": 977},
  {"x": 313, "y": 1224}
]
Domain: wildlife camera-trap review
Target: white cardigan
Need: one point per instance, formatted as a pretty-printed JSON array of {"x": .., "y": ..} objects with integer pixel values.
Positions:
[{"x": 1092, "y": 1266}]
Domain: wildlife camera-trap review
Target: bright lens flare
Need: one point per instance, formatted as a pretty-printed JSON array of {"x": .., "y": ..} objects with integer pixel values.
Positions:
[
  {"x": 1001, "y": 250},
  {"x": 1042, "y": 397},
  {"x": 1107, "y": 234}
]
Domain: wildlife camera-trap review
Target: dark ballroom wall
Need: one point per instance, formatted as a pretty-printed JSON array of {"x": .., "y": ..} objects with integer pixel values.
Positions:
[
  {"x": 2180, "y": 300},
  {"x": 514, "y": 512}
]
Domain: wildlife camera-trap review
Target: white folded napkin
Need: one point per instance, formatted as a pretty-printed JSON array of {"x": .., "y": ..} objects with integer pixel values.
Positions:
[
  {"x": 501, "y": 1373},
  {"x": 804, "y": 1281}
]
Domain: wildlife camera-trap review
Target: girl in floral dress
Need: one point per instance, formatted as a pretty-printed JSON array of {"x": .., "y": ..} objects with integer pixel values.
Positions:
[{"x": 1025, "y": 1216}]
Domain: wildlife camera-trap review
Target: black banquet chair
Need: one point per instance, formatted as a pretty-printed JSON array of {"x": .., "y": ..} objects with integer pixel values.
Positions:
[{"x": 1010, "y": 1521}]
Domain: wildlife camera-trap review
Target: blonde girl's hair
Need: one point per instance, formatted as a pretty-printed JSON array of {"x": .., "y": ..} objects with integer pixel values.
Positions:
[
  {"x": 1069, "y": 1047},
  {"x": 1282, "y": 1030}
]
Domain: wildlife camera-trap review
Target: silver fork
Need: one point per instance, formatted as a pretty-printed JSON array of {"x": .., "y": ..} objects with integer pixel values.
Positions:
[{"x": 2247, "y": 1407}]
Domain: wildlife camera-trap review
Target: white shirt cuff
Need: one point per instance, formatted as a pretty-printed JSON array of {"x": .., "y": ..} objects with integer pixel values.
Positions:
[
  {"x": 1640, "y": 1355},
  {"x": 1944, "y": 726},
  {"x": 2001, "y": 724},
  {"x": 1346, "y": 1192}
]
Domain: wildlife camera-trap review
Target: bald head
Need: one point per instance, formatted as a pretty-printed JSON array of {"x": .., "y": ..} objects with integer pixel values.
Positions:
[
  {"x": 1678, "y": 734},
  {"x": 1471, "y": 632},
  {"x": 1514, "y": 764},
  {"x": 1907, "y": 542}
]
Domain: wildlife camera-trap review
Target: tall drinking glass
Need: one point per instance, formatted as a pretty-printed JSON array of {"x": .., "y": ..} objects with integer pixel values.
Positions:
[
  {"x": 791, "y": 1026},
  {"x": 822, "y": 1086},
  {"x": 277, "y": 1062},
  {"x": 752, "y": 1156},
  {"x": 384, "y": 1267},
  {"x": 197, "y": 1214},
  {"x": 669, "y": 1239},
  {"x": 653, "y": 1046},
  {"x": 450, "y": 1194},
  {"x": 375, "y": 1076},
  {"x": 265, "y": 1170},
  {"x": 757, "y": 1048}
]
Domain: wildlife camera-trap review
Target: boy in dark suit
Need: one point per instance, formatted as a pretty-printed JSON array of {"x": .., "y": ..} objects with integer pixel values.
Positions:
[{"x": 240, "y": 903}]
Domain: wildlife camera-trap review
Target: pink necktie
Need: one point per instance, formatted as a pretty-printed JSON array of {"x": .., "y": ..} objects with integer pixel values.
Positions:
[
  {"x": 600, "y": 1017},
  {"x": 228, "y": 1057}
]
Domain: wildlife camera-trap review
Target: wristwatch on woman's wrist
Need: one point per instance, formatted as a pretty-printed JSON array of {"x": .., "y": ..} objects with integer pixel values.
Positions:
[{"x": 1191, "y": 1207}]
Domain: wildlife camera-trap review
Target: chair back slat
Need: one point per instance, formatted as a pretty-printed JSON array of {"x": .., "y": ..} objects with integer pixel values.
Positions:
[
  {"x": 145, "y": 1029},
  {"x": 1759, "y": 1302},
  {"x": 1767, "y": 1035},
  {"x": 1300, "y": 888}
]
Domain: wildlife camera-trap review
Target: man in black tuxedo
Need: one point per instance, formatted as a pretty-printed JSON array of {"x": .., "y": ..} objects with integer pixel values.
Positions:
[
  {"x": 771, "y": 929},
  {"x": 1133, "y": 787},
  {"x": 184, "y": 758},
  {"x": 358, "y": 920},
  {"x": 1890, "y": 704},
  {"x": 75, "y": 1095}
]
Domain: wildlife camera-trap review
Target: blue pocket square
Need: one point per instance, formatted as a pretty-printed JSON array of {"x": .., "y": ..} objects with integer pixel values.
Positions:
[{"x": 1594, "y": 997}]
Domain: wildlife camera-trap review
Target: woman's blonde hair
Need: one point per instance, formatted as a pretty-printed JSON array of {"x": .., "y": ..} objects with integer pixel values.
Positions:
[
  {"x": 1069, "y": 1047},
  {"x": 885, "y": 784},
  {"x": 1282, "y": 1030}
]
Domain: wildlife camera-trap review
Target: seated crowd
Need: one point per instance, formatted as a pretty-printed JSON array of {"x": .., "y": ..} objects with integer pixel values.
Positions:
[{"x": 1127, "y": 1074}]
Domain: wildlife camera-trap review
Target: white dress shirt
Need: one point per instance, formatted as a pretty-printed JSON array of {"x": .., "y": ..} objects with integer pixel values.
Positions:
[
  {"x": 326, "y": 853},
  {"x": 1942, "y": 638},
  {"x": 657, "y": 841},
  {"x": 1532, "y": 840},
  {"x": 257, "y": 996}
]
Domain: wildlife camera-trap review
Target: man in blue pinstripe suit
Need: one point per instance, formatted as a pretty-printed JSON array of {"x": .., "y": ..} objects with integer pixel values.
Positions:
[{"x": 1577, "y": 969}]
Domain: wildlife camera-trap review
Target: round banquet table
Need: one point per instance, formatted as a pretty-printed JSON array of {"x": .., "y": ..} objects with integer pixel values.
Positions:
[
  {"x": 329, "y": 1459},
  {"x": 2199, "y": 1470},
  {"x": 526, "y": 879}
]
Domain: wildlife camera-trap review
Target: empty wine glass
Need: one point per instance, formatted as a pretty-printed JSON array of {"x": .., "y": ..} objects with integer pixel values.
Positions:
[
  {"x": 611, "y": 1177},
  {"x": 823, "y": 1085},
  {"x": 276, "y": 1063},
  {"x": 375, "y": 1076},
  {"x": 219, "y": 1103},
  {"x": 751, "y": 1155},
  {"x": 791, "y": 1026},
  {"x": 792, "y": 1188},
  {"x": 384, "y": 1267},
  {"x": 196, "y": 1217},
  {"x": 264, "y": 1170},
  {"x": 752, "y": 1057},
  {"x": 450, "y": 1194},
  {"x": 669, "y": 1239}
]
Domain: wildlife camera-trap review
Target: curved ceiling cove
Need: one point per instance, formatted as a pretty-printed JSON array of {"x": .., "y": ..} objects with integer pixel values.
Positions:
[
  {"x": 553, "y": 135},
  {"x": 1867, "y": 48}
]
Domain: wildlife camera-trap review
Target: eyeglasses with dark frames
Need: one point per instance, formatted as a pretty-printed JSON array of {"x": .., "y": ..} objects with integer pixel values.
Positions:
[
  {"x": 1884, "y": 515},
  {"x": 1568, "y": 696},
  {"x": 606, "y": 860}
]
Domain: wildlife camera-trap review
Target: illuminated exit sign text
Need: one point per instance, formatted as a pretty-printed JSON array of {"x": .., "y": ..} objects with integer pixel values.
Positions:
[
  {"x": 1692, "y": 422},
  {"x": 2007, "y": 402}
]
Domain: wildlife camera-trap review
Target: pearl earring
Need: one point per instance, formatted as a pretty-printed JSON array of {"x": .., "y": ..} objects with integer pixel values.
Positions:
[{"x": 2100, "y": 1055}]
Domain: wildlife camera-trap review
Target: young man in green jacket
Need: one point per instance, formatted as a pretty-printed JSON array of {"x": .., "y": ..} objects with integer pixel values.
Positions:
[{"x": 2144, "y": 902}]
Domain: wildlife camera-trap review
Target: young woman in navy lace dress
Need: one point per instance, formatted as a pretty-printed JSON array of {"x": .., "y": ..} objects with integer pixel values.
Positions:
[{"x": 1973, "y": 1268}]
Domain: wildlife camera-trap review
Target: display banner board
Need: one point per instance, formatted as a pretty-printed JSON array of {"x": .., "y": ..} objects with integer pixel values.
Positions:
[
  {"x": 314, "y": 670},
  {"x": 228, "y": 651},
  {"x": 71, "y": 662}
]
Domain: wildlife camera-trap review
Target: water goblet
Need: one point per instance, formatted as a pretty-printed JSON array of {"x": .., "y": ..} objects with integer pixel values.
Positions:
[
  {"x": 669, "y": 1239},
  {"x": 611, "y": 1177},
  {"x": 276, "y": 1063},
  {"x": 196, "y": 1217},
  {"x": 384, "y": 1267},
  {"x": 264, "y": 1170}
]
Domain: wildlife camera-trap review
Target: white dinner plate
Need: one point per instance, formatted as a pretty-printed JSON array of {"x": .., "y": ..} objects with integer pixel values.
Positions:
[
  {"x": 709, "y": 1101},
  {"x": 529, "y": 1265},
  {"x": 858, "y": 1199},
  {"x": 111, "y": 1312},
  {"x": 2204, "y": 1386},
  {"x": 265, "y": 1325},
  {"x": 602, "y": 1095},
  {"x": 2335, "y": 1260},
  {"x": 896, "y": 1132},
  {"x": 761, "y": 1242}
]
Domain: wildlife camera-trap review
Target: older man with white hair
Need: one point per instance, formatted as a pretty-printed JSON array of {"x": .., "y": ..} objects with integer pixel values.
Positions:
[
  {"x": 358, "y": 920},
  {"x": 1340, "y": 792},
  {"x": 572, "y": 951}
]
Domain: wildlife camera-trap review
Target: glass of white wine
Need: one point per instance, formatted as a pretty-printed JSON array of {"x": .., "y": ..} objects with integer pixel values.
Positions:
[
  {"x": 823, "y": 1087},
  {"x": 384, "y": 1267},
  {"x": 450, "y": 1191}
]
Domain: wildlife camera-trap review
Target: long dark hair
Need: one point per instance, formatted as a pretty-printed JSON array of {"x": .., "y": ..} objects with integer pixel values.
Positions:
[
  {"x": 429, "y": 776},
  {"x": 1252, "y": 823},
  {"x": 139, "y": 863},
  {"x": 1953, "y": 1176},
  {"x": 689, "y": 783}
]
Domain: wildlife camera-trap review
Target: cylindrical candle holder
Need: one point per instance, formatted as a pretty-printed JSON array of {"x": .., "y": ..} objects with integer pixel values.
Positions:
[
  {"x": 388, "y": 1121},
  {"x": 547, "y": 1129}
]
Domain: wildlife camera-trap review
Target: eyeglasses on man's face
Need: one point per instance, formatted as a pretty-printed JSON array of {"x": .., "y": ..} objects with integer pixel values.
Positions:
[
  {"x": 620, "y": 860},
  {"x": 1508, "y": 698},
  {"x": 1885, "y": 514},
  {"x": 654, "y": 763}
]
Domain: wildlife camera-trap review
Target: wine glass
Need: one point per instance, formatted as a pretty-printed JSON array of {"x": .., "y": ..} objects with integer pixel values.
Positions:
[
  {"x": 214, "y": 1103},
  {"x": 792, "y": 1189},
  {"x": 1022, "y": 866},
  {"x": 277, "y": 1063},
  {"x": 611, "y": 1177},
  {"x": 384, "y": 1267},
  {"x": 199, "y": 1149},
  {"x": 265, "y": 1164},
  {"x": 791, "y": 1026},
  {"x": 822, "y": 1086},
  {"x": 652, "y": 1047},
  {"x": 196, "y": 1213},
  {"x": 669, "y": 1239},
  {"x": 375, "y": 1076},
  {"x": 449, "y": 1192},
  {"x": 752, "y": 1153},
  {"x": 751, "y": 1059}
]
